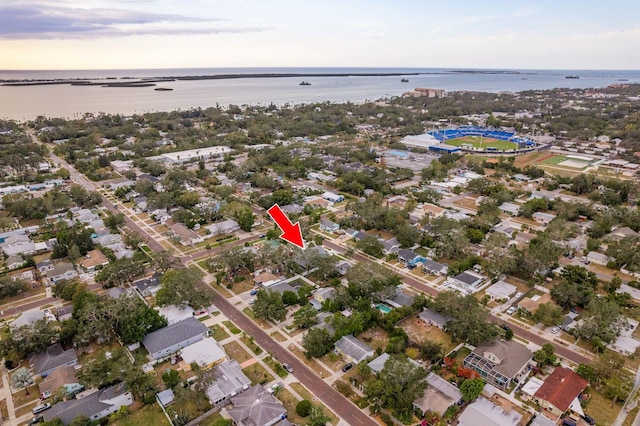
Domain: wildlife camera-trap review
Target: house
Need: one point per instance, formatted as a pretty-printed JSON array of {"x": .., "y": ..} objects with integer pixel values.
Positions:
[
  {"x": 329, "y": 226},
  {"x": 598, "y": 258},
  {"x": 62, "y": 271},
  {"x": 500, "y": 362},
  {"x": 438, "y": 396},
  {"x": 560, "y": 391},
  {"x": 501, "y": 291},
  {"x": 53, "y": 357},
  {"x": 431, "y": 317},
  {"x": 302, "y": 259},
  {"x": 625, "y": 342},
  {"x": 541, "y": 420},
  {"x": 64, "y": 313},
  {"x": 434, "y": 268},
  {"x": 468, "y": 280},
  {"x": 18, "y": 244},
  {"x": 206, "y": 353},
  {"x": 530, "y": 388},
  {"x": 531, "y": 304},
  {"x": 400, "y": 299},
  {"x": 165, "y": 398},
  {"x": 14, "y": 261},
  {"x": 174, "y": 313},
  {"x": 148, "y": 286},
  {"x": 292, "y": 208},
  {"x": 120, "y": 166},
  {"x": 622, "y": 232},
  {"x": 93, "y": 261},
  {"x": 342, "y": 267},
  {"x": 224, "y": 227},
  {"x": 229, "y": 381},
  {"x": 186, "y": 236},
  {"x": 266, "y": 278},
  {"x": 407, "y": 256},
  {"x": 390, "y": 246},
  {"x": 256, "y": 406},
  {"x": 543, "y": 218},
  {"x": 323, "y": 294},
  {"x": 170, "y": 339},
  {"x": 61, "y": 377},
  {"x": 333, "y": 198},
  {"x": 353, "y": 348},
  {"x": 118, "y": 292},
  {"x": 95, "y": 406},
  {"x": 510, "y": 208},
  {"x": 360, "y": 235},
  {"x": 376, "y": 365},
  {"x": 27, "y": 318},
  {"x": 485, "y": 413},
  {"x": 45, "y": 266}
]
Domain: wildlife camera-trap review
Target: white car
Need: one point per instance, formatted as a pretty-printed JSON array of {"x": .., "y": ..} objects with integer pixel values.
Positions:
[
  {"x": 512, "y": 310},
  {"x": 555, "y": 330},
  {"x": 519, "y": 295}
]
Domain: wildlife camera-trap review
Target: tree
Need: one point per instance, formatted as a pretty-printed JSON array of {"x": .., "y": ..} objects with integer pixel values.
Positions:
[
  {"x": 603, "y": 321},
  {"x": 548, "y": 314},
  {"x": 22, "y": 378},
  {"x": 171, "y": 378},
  {"x": 113, "y": 222},
  {"x": 431, "y": 351},
  {"x": 469, "y": 323},
  {"x": 317, "y": 417},
  {"x": 371, "y": 245},
  {"x": 163, "y": 261},
  {"x": 303, "y": 408},
  {"x": 317, "y": 342},
  {"x": 305, "y": 317},
  {"x": 546, "y": 355},
  {"x": 122, "y": 271},
  {"x": 183, "y": 287},
  {"x": 245, "y": 219},
  {"x": 397, "y": 385},
  {"x": 407, "y": 235},
  {"x": 508, "y": 334},
  {"x": 471, "y": 389},
  {"x": 269, "y": 306}
]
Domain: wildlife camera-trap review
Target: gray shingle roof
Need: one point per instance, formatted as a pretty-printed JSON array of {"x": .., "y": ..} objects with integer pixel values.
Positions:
[
  {"x": 53, "y": 357},
  {"x": 87, "y": 406},
  {"x": 172, "y": 334},
  {"x": 256, "y": 407},
  {"x": 229, "y": 380},
  {"x": 354, "y": 347},
  {"x": 432, "y": 266}
]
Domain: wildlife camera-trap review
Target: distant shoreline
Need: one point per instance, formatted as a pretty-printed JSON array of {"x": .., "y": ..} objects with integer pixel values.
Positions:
[{"x": 149, "y": 81}]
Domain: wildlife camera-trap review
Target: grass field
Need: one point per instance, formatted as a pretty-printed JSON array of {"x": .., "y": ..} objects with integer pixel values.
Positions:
[
  {"x": 482, "y": 142},
  {"x": 556, "y": 159}
]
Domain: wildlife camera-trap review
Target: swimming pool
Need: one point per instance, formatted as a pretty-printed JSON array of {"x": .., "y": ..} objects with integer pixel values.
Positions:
[{"x": 383, "y": 308}]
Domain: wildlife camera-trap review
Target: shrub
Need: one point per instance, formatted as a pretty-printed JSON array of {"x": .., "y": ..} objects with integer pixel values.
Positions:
[{"x": 303, "y": 408}]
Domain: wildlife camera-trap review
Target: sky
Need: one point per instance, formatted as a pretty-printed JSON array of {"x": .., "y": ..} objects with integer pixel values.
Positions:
[{"x": 495, "y": 34}]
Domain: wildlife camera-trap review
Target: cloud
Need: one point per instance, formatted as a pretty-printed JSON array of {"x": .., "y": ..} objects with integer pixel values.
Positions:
[{"x": 57, "y": 21}]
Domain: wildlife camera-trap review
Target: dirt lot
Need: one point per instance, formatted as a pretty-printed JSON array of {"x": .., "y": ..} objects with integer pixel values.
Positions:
[
  {"x": 418, "y": 331},
  {"x": 235, "y": 351},
  {"x": 375, "y": 337},
  {"x": 467, "y": 202}
]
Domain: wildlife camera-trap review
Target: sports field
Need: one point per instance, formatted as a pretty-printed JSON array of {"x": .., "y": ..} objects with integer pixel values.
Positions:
[
  {"x": 566, "y": 161},
  {"x": 482, "y": 143}
]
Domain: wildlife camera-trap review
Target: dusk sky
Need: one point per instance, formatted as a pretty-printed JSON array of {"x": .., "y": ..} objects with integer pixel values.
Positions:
[{"x": 117, "y": 34}]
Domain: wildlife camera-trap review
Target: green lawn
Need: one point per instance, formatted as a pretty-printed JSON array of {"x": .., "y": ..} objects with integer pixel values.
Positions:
[
  {"x": 556, "y": 159},
  {"x": 257, "y": 374},
  {"x": 219, "y": 333},
  {"x": 478, "y": 142},
  {"x": 232, "y": 328},
  {"x": 147, "y": 415}
]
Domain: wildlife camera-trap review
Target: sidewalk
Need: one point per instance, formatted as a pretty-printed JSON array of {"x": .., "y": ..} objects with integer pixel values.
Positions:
[{"x": 6, "y": 389}]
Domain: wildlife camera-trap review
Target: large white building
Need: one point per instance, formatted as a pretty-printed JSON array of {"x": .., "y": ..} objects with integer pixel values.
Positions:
[
  {"x": 420, "y": 141},
  {"x": 208, "y": 153}
]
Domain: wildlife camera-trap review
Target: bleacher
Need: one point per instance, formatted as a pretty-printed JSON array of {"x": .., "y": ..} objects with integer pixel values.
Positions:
[{"x": 448, "y": 134}]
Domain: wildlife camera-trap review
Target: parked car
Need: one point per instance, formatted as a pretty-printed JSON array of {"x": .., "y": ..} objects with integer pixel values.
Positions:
[
  {"x": 519, "y": 295},
  {"x": 505, "y": 327},
  {"x": 347, "y": 367},
  {"x": 587, "y": 418},
  {"x": 567, "y": 422},
  {"x": 254, "y": 292},
  {"x": 288, "y": 368},
  {"x": 36, "y": 420},
  {"x": 40, "y": 408},
  {"x": 555, "y": 330},
  {"x": 512, "y": 310}
]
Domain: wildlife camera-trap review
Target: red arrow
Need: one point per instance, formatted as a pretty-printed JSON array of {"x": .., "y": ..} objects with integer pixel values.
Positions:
[{"x": 290, "y": 232}]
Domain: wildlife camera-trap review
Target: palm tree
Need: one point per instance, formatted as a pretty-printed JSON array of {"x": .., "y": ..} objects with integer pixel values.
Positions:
[{"x": 22, "y": 378}]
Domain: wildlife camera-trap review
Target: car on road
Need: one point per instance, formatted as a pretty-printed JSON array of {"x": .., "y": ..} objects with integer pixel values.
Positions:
[
  {"x": 40, "y": 408},
  {"x": 512, "y": 310},
  {"x": 288, "y": 368},
  {"x": 36, "y": 420},
  {"x": 347, "y": 367},
  {"x": 262, "y": 236},
  {"x": 505, "y": 327},
  {"x": 555, "y": 330},
  {"x": 587, "y": 418}
]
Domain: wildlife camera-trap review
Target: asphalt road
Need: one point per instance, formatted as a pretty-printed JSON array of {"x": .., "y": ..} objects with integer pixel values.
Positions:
[{"x": 518, "y": 331}]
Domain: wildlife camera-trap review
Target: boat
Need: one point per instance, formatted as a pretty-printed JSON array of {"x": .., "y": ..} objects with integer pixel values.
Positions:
[
  {"x": 572, "y": 76},
  {"x": 305, "y": 83},
  {"x": 404, "y": 80},
  {"x": 163, "y": 89}
]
